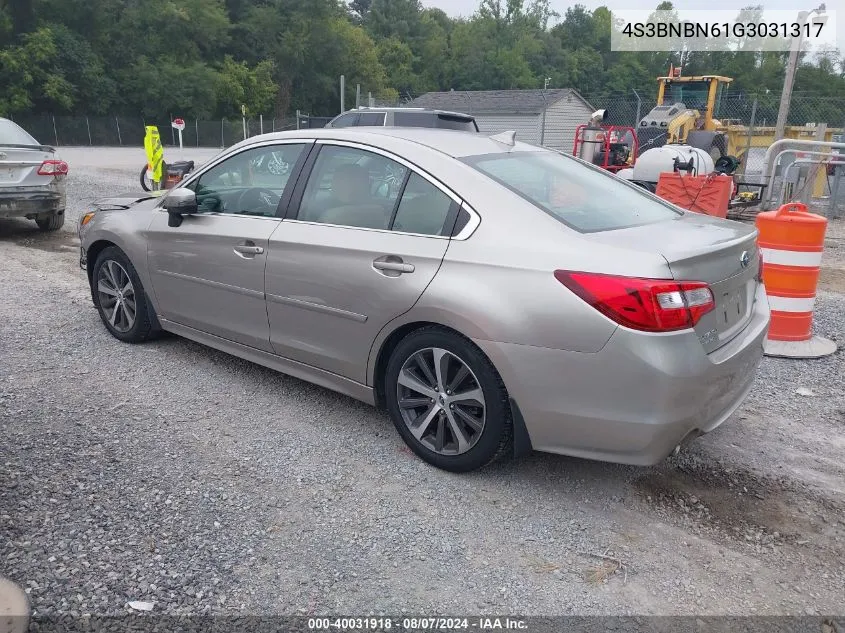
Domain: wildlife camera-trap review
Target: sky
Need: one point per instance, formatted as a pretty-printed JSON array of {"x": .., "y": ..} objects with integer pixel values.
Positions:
[{"x": 468, "y": 7}]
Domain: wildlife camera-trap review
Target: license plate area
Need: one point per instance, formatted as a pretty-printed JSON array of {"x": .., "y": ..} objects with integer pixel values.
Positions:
[
  {"x": 8, "y": 174},
  {"x": 732, "y": 308}
]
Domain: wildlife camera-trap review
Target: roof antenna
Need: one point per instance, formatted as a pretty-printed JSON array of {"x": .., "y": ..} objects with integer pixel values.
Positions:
[{"x": 505, "y": 138}]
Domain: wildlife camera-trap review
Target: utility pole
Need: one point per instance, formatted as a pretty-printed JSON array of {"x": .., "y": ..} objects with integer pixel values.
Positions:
[
  {"x": 789, "y": 77},
  {"x": 342, "y": 90}
]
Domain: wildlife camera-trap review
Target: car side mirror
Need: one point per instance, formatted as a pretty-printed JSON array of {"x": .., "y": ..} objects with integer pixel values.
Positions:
[{"x": 179, "y": 203}]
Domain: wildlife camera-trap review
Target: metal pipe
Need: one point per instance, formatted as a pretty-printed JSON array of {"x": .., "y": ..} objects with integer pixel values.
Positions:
[
  {"x": 750, "y": 134},
  {"x": 543, "y": 122},
  {"x": 769, "y": 193},
  {"x": 801, "y": 161},
  {"x": 639, "y": 104},
  {"x": 834, "y": 192},
  {"x": 768, "y": 165}
]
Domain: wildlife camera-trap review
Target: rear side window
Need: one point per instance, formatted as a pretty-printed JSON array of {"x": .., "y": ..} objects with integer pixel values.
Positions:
[
  {"x": 371, "y": 118},
  {"x": 13, "y": 134},
  {"x": 423, "y": 209},
  {"x": 346, "y": 120},
  {"x": 430, "y": 119},
  {"x": 584, "y": 198},
  {"x": 456, "y": 123}
]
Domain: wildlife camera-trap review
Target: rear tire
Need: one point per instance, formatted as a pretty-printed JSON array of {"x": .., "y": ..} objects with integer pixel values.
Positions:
[
  {"x": 115, "y": 281},
  {"x": 52, "y": 222},
  {"x": 449, "y": 432},
  {"x": 146, "y": 179}
]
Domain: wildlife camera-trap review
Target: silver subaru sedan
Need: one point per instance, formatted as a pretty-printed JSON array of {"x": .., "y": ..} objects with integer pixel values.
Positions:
[{"x": 492, "y": 296}]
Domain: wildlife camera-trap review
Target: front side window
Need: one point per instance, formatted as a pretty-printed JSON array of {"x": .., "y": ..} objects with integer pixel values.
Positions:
[
  {"x": 584, "y": 198},
  {"x": 249, "y": 183},
  {"x": 352, "y": 187}
]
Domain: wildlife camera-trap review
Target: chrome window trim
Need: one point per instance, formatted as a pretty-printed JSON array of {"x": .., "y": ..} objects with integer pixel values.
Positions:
[
  {"x": 207, "y": 214},
  {"x": 368, "y": 229},
  {"x": 472, "y": 223},
  {"x": 466, "y": 232}
]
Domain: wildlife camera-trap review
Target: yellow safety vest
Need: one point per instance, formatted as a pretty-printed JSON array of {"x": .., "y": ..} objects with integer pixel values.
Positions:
[{"x": 155, "y": 152}]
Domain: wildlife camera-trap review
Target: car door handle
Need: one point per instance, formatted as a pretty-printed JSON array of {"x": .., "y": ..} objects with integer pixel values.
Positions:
[
  {"x": 248, "y": 249},
  {"x": 393, "y": 265}
]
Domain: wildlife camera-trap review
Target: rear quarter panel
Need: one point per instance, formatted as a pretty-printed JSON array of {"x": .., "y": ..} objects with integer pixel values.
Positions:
[{"x": 499, "y": 285}]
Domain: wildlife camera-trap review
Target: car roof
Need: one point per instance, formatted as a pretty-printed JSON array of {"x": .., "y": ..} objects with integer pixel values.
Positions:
[
  {"x": 453, "y": 143},
  {"x": 409, "y": 109}
]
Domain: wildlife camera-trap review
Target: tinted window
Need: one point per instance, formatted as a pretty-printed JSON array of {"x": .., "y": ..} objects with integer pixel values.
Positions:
[
  {"x": 13, "y": 134},
  {"x": 371, "y": 118},
  {"x": 456, "y": 123},
  {"x": 249, "y": 183},
  {"x": 430, "y": 119},
  {"x": 346, "y": 120},
  {"x": 352, "y": 187},
  {"x": 423, "y": 209},
  {"x": 584, "y": 198}
]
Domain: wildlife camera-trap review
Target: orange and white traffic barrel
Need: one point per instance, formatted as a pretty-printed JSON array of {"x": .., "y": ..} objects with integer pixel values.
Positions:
[{"x": 791, "y": 241}]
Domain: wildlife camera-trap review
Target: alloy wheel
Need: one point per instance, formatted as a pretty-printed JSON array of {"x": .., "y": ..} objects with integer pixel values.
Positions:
[
  {"x": 117, "y": 296},
  {"x": 441, "y": 401}
]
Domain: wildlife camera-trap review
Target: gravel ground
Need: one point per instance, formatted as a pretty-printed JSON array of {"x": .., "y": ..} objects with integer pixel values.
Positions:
[{"x": 174, "y": 474}]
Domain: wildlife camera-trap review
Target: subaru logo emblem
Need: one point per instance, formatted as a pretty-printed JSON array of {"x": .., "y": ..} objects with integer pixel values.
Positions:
[
  {"x": 2, "y": 155},
  {"x": 745, "y": 259}
]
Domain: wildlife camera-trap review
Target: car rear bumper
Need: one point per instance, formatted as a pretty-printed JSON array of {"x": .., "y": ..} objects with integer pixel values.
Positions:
[
  {"x": 29, "y": 202},
  {"x": 637, "y": 398}
]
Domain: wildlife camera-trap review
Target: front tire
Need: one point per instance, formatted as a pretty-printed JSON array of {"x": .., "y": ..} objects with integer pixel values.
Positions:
[
  {"x": 120, "y": 298},
  {"x": 447, "y": 401},
  {"x": 52, "y": 222}
]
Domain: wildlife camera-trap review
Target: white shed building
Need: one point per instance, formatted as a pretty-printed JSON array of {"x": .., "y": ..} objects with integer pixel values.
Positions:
[{"x": 542, "y": 117}]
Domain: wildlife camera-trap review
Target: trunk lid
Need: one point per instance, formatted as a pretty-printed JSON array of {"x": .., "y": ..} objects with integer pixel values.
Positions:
[
  {"x": 19, "y": 165},
  {"x": 698, "y": 247}
]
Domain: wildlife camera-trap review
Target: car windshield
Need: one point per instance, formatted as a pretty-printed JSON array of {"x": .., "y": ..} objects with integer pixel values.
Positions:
[
  {"x": 12, "y": 134},
  {"x": 584, "y": 198}
]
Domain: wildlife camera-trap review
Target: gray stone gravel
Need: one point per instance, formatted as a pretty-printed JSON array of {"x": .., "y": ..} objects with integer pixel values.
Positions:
[{"x": 172, "y": 473}]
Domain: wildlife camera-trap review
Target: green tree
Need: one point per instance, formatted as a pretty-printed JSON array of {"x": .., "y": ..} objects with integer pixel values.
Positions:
[
  {"x": 237, "y": 84},
  {"x": 25, "y": 71}
]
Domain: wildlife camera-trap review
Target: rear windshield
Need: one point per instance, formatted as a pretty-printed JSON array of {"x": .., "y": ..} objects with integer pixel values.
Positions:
[
  {"x": 428, "y": 119},
  {"x": 584, "y": 198},
  {"x": 12, "y": 134}
]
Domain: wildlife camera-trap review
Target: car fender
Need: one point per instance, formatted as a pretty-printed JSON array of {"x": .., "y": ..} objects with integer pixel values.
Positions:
[{"x": 126, "y": 229}]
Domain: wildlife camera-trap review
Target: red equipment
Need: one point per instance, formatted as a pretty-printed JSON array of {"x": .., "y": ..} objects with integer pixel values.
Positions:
[{"x": 611, "y": 147}]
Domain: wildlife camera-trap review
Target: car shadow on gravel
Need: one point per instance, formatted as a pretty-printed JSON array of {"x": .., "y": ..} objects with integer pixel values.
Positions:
[{"x": 26, "y": 233}]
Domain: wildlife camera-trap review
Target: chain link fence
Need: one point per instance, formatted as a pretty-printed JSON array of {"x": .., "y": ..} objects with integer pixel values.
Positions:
[
  {"x": 129, "y": 131},
  {"x": 748, "y": 121}
]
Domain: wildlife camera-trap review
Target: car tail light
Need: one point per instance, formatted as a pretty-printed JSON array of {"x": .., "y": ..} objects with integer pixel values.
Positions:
[
  {"x": 53, "y": 168},
  {"x": 648, "y": 305},
  {"x": 760, "y": 265}
]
